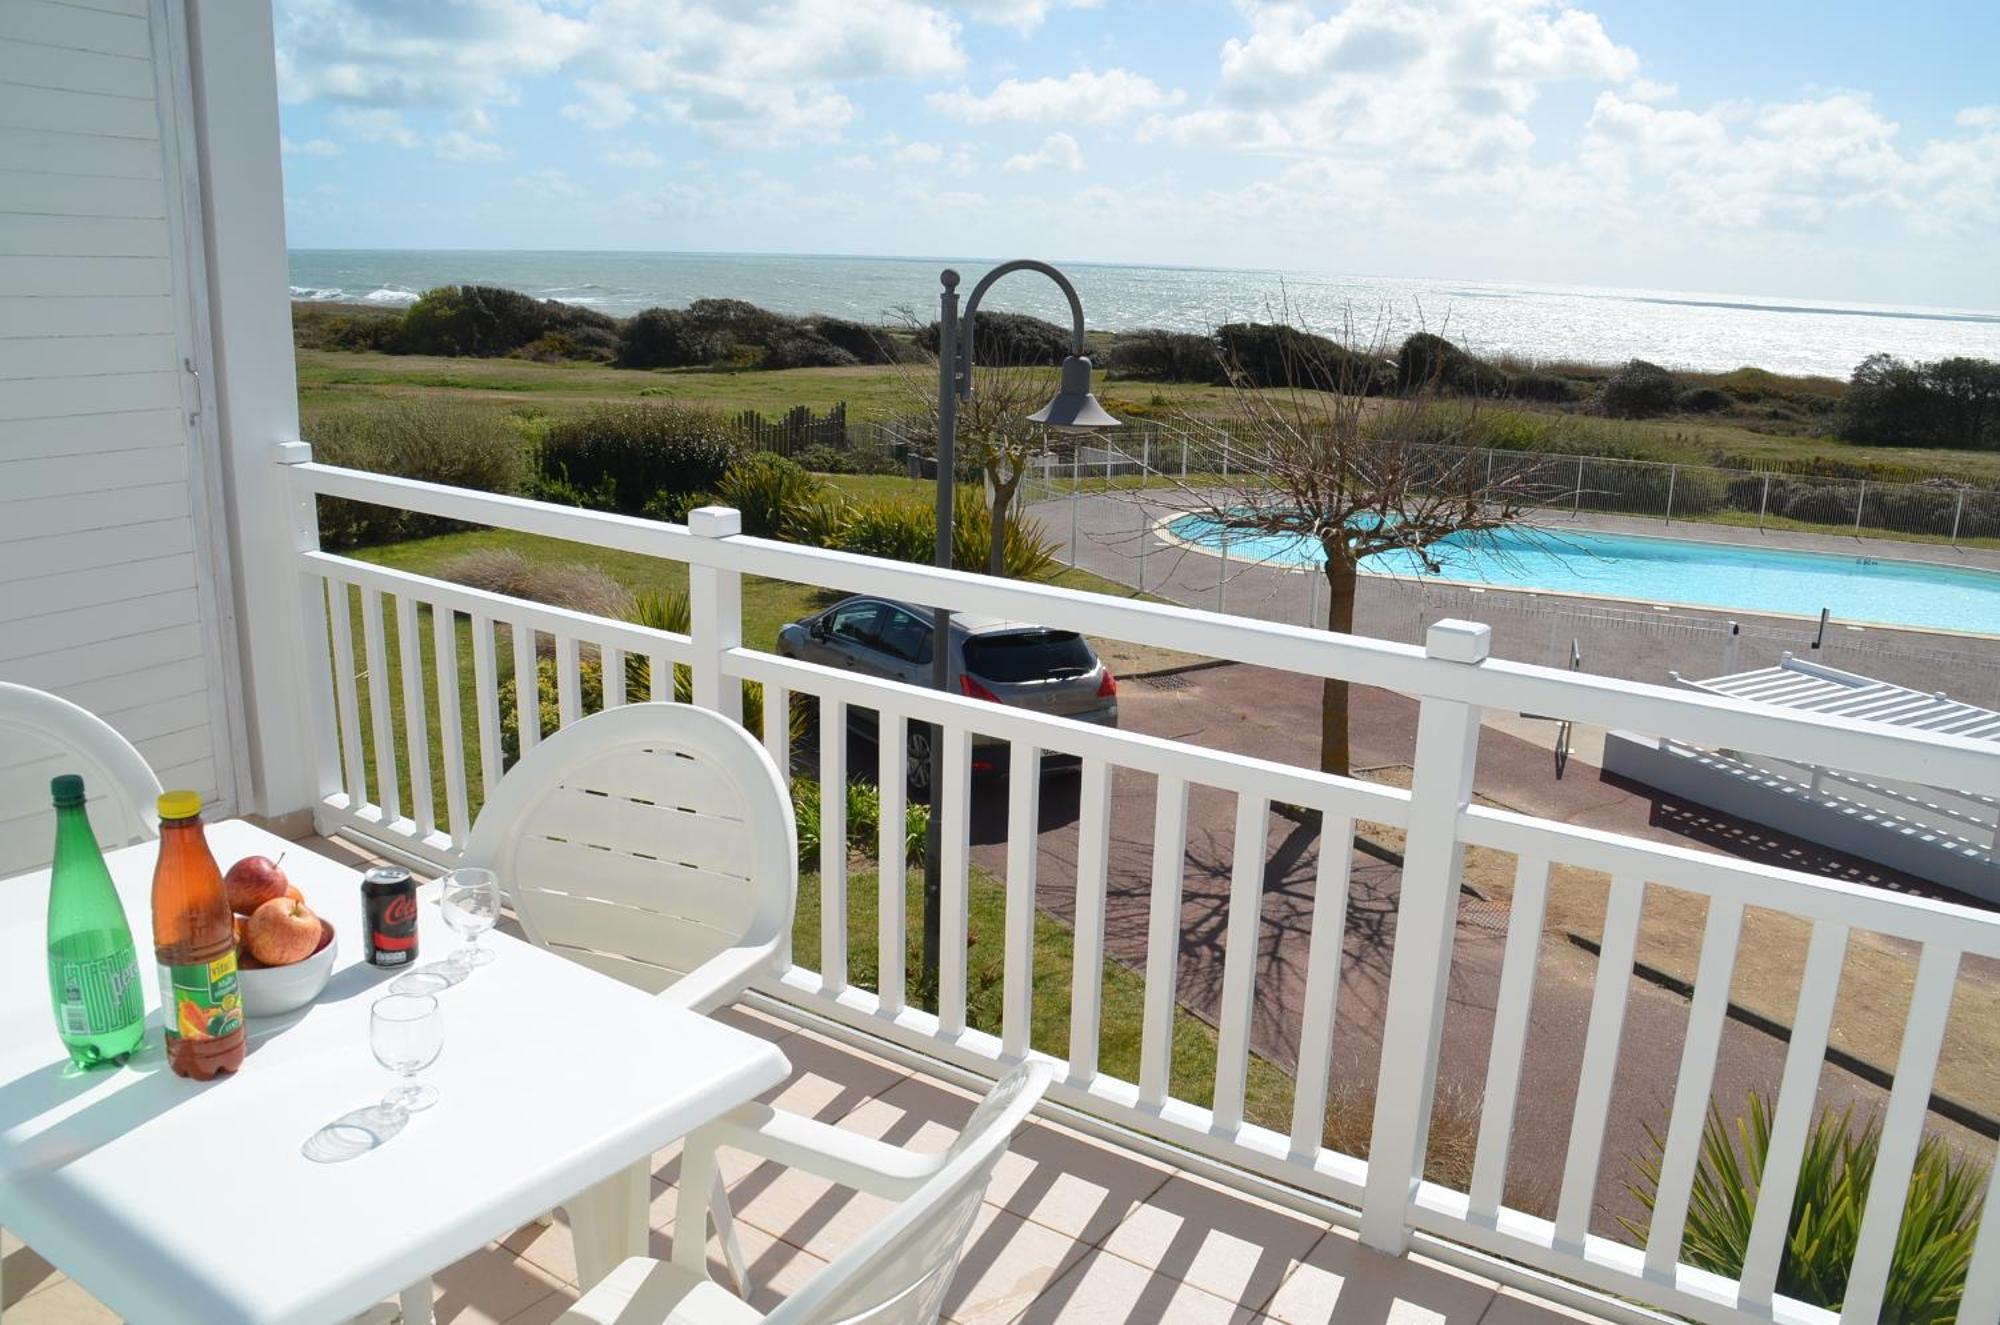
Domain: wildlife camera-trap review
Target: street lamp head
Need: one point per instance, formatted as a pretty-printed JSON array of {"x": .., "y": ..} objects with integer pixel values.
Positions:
[{"x": 1074, "y": 405}]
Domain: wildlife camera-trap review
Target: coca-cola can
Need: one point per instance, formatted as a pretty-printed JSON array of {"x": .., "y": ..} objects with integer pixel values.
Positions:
[{"x": 389, "y": 916}]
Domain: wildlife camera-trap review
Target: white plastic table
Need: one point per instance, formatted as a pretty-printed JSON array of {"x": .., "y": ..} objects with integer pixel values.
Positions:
[{"x": 191, "y": 1204}]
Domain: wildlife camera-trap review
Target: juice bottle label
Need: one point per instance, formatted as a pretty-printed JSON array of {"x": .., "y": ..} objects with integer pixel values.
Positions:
[
  {"x": 200, "y": 1001},
  {"x": 97, "y": 997}
]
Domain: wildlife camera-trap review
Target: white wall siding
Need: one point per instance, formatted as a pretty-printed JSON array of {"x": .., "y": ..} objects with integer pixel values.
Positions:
[{"x": 107, "y": 586}]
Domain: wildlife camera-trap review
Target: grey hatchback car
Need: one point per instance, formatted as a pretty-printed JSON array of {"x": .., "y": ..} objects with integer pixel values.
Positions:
[{"x": 1006, "y": 662}]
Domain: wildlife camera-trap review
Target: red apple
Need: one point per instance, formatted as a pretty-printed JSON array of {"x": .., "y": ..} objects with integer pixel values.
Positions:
[
  {"x": 253, "y": 881},
  {"x": 281, "y": 932}
]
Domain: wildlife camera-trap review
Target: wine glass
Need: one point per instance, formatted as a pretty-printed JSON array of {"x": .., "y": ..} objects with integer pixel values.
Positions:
[
  {"x": 406, "y": 1032},
  {"x": 471, "y": 903}
]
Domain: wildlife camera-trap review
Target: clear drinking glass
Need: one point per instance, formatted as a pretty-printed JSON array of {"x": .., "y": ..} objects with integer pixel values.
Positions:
[
  {"x": 470, "y": 900},
  {"x": 406, "y": 1032}
]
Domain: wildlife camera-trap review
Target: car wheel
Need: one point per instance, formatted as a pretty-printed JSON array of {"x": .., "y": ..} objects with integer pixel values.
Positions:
[{"x": 917, "y": 761}]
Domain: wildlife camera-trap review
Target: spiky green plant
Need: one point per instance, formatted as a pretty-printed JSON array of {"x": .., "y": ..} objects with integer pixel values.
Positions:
[{"x": 1933, "y": 1243}]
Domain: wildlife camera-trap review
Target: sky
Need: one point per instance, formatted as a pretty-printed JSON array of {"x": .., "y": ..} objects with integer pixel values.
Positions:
[{"x": 1833, "y": 150}]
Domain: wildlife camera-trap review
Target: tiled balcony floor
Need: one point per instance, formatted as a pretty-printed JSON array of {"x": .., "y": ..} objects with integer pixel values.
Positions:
[{"x": 1073, "y": 1230}]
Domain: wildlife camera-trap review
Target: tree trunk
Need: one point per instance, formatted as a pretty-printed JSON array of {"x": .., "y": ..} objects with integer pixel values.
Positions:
[
  {"x": 996, "y": 548},
  {"x": 1341, "y": 576}
]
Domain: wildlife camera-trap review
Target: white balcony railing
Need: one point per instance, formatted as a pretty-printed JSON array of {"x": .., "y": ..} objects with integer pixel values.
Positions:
[{"x": 1452, "y": 680}]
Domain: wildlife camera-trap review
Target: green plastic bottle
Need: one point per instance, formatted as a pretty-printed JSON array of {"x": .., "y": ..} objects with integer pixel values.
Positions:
[{"x": 93, "y": 968}]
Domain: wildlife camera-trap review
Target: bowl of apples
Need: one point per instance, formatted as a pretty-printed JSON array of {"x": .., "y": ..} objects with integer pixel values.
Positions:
[{"x": 284, "y": 952}]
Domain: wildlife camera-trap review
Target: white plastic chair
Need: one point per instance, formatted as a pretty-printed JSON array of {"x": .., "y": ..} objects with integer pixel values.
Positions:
[
  {"x": 42, "y": 735},
  {"x": 897, "y": 1275},
  {"x": 653, "y": 842}
]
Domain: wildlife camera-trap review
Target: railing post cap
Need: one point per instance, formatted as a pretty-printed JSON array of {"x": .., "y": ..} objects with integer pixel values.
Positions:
[
  {"x": 294, "y": 453},
  {"x": 715, "y": 521},
  {"x": 1459, "y": 641}
]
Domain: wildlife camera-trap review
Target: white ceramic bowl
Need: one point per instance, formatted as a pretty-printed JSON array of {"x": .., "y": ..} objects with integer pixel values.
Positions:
[{"x": 271, "y": 990}]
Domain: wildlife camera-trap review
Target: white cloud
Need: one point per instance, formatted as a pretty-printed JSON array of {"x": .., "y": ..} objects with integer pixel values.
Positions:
[
  {"x": 1445, "y": 84},
  {"x": 917, "y": 154},
  {"x": 857, "y": 161},
  {"x": 1083, "y": 97},
  {"x": 1650, "y": 91},
  {"x": 1023, "y": 16},
  {"x": 375, "y": 53},
  {"x": 632, "y": 156},
  {"x": 603, "y": 106},
  {"x": 746, "y": 74},
  {"x": 1058, "y": 151},
  {"x": 548, "y": 183},
  {"x": 381, "y": 125},
  {"x": 310, "y": 147}
]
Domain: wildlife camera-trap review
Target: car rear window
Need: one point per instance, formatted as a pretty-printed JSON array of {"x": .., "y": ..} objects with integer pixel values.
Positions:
[{"x": 1029, "y": 655}]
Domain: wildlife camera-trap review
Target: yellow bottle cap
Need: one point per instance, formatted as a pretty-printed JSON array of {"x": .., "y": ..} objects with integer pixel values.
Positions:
[{"x": 180, "y": 805}]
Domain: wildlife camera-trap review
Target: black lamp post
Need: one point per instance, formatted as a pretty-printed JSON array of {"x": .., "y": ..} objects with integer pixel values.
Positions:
[{"x": 1073, "y": 407}]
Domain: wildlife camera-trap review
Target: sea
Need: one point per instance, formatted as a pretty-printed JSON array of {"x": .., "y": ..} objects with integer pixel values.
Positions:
[{"x": 1541, "y": 322}]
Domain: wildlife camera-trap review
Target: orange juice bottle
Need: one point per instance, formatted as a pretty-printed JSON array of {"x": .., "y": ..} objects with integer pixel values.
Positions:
[{"x": 194, "y": 939}]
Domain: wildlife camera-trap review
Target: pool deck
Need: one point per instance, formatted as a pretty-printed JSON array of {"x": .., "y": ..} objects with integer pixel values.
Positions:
[{"x": 1631, "y": 639}]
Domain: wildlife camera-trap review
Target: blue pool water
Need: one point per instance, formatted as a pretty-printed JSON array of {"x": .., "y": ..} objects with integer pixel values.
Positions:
[{"x": 1858, "y": 589}]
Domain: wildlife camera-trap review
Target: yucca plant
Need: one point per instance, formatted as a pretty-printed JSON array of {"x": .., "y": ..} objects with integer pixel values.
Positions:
[
  {"x": 1933, "y": 1243},
  {"x": 864, "y": 821},
  {"x": 669, "y": 610}
]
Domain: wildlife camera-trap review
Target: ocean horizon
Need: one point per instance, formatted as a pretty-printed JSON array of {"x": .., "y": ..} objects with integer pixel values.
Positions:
[{"x": 1544, "y": 322}]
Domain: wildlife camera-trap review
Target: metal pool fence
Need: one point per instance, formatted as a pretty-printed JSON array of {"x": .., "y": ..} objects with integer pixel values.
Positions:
[{"x": 1146, "y": 456}]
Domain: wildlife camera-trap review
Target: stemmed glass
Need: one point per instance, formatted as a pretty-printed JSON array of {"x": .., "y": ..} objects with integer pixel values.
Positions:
[
  {"x": 406, "y": 1033},
  {"x": 470, "y": 900}
]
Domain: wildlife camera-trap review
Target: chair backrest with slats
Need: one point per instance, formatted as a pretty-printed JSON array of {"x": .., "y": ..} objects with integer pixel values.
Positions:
[
  {"x": 900, "y": 1272},
  {"x": 643, "y": 841},
  {"x": 42, "y": 735}
]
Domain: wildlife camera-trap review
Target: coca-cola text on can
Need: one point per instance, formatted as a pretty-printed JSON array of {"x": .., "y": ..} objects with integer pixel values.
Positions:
[{"x": 389, "y": 916}]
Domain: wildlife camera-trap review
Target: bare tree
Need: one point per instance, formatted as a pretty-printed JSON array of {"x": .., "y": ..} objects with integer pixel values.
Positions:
[
  {"x": 993, "y": 434},
  {"x": 1329, "y": 458}
]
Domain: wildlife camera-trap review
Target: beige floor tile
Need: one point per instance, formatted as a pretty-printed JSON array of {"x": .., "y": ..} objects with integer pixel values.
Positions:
[
  {"x": 547, "y": 1249},
  {"x": 22, "y": 1271},
  {"x": 1071, "y": 1183},
  {"x": 1224, "y": 1242},
  {"x": 489, "y": 1287},
  {"x": 760, "y": 1024},
  {"x": 1510, "y": 1306},
  {"x": 1103, "y": 1289},
  {"x": 1007, "y": 1264},
  {"x": 60, "y": 1303},
  {"x": 548, "y": 1310},
  {"x": 1342, "y": 1281},
  {"x": 828, "y": 1080}
]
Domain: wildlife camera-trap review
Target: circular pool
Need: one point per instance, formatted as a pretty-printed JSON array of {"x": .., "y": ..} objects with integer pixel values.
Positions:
[{"x": 1861, "y": 589}]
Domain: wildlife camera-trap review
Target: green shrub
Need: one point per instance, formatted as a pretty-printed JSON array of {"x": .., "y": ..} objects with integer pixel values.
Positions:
[
  {"x": 770, "y": 492},
  {"x": 319, "y": 327},
  {"x": 1012, "y": 340},
  {"x": 889, "y": 528},
  {"x": 1272, "y": 354},
  {"x": 804, "y": 349},
  {"x": 624, "y": 458},
  {"x": 864, "y": 822},
  {"x": 451, "y": 442},
  {"x": 1165, "y": 356},
  {"x": 1545, "y": 388},
  {"x": 1933, "y": 1243},
  {"x": 1703, "y": 400},
  {"x": 1428, "y": 362},
  {"x": 487, "y": 320},
  {"x": 1639, "y": 390},
  {"x": 867, "y": 344},
  {"x": 1027, "y": 554},
  {"x": 818, "y": 522},
  {"x": 666, "y": 338},
  {"x": 1947, "y": 403}
]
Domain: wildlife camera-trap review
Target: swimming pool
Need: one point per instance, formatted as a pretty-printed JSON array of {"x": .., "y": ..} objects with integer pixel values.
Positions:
[{"x": 1859, "y": 589}]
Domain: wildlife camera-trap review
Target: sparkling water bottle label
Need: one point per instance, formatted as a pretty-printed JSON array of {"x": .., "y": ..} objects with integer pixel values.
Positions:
[{"x": 98, "y": 996}]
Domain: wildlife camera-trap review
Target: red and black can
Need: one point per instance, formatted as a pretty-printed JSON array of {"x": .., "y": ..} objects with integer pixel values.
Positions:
[{"x": 389, "y": 916}]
